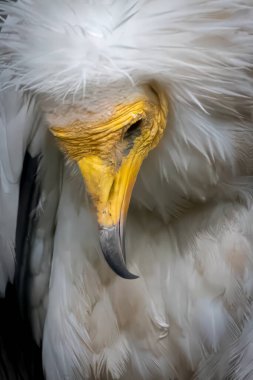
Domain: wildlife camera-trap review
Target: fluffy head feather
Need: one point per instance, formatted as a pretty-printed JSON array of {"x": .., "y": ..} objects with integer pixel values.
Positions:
[{"x": 200, "y": 49}]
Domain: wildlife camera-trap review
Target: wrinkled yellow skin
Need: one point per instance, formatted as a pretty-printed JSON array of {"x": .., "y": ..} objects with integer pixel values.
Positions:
[{"x": 109, "y": 161}]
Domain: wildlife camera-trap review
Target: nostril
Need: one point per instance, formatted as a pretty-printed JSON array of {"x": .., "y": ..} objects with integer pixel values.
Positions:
[{"x": 133, "y": 131}]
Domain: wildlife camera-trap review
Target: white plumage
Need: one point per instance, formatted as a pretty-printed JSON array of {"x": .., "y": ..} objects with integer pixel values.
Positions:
[{"x": 190, "y": 224}]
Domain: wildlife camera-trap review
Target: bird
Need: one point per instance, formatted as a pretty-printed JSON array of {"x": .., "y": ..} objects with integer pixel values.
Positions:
[{"x": 126, "y": 188}]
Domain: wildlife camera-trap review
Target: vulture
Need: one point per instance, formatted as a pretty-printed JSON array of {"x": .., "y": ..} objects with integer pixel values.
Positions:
[{"x": 126, "y": 189}]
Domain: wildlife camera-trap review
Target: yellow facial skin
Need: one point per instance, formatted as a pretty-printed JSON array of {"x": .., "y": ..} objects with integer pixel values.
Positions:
[{"x": 110, "y": 152}]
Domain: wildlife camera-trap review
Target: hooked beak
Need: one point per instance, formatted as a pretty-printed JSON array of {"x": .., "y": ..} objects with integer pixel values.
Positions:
[
  {"x": 113, "y": 248},
  {"x": 109, "y": 155}
]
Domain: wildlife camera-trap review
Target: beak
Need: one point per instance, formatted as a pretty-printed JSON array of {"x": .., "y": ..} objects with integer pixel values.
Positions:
[
  {"x": 109, "y": 155},
  {"x": 113, "y": 249},
  {"x": 110, "y": 189}
]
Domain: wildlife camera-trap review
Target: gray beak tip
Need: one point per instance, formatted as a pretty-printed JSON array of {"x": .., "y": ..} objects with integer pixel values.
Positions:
[{"x": 111, "y": 245}]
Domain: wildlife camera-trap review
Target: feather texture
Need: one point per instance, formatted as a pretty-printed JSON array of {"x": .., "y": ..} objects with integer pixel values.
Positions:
[
  {"x": 17, "y": 129},
  {"x": 189, "y": 232}
]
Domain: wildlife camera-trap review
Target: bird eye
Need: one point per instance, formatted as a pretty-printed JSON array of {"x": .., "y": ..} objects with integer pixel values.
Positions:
[{"x": 133, "y": 131}]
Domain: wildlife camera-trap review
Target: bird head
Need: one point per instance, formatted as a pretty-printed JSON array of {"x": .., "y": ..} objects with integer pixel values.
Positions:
[{"x": 109, "y": 148}]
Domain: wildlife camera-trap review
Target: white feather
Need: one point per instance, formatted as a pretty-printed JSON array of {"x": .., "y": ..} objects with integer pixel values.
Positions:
[{"x": 18, "y": 123}]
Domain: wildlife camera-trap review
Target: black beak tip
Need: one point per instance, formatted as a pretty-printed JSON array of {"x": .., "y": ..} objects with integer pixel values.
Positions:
[
  {"x": 120, "y": 268},
  {"x": 110, "y": 243}
]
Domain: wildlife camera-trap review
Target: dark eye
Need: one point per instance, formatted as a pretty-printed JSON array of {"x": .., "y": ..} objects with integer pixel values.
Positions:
[{"x": 133, "y": 131}]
